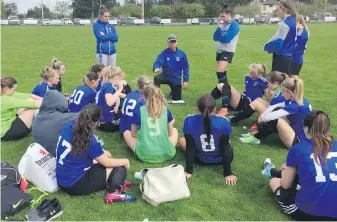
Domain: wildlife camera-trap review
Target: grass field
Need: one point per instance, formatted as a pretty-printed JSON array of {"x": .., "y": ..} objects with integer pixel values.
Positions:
[{"x": 25, "y": 50}]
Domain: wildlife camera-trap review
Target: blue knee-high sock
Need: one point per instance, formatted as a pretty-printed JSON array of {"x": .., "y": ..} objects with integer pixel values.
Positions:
[
  {"x": 226, "y": 95},
  {"x": 222, "y": 77}
]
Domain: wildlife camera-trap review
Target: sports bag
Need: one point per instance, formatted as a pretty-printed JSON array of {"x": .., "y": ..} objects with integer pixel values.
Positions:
[
  {"x": 38, "y": 166},
  {"x": 164, "y": 184},
  {"x": 9, "y": 175}
]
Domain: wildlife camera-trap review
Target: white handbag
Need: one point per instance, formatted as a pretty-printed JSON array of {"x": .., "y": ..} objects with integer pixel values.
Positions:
[
  {"x": 164, "y": 184},
  {"x": 38, "y": 167}
]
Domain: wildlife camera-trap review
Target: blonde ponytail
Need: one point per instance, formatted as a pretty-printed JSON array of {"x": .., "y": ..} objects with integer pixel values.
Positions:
[
  {"x": 155, "y": 100},
  {"x": 296, "y": 86}
]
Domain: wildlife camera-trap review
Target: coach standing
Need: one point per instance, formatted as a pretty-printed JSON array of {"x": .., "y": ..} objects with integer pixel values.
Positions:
[
  {"x": 283, "y": 43},
  {"x": 173, "y": 62},
  {"x": 106, "y": 36}
]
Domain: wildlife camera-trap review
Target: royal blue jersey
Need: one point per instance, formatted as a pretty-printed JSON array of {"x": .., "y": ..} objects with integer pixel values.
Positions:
[
  {"x": 318, "y": 193},
  {"x": 137, "y": 116},
  {"x": 99, "y": 85},
  {"x": 277, "y": 98},
  {"x": 207, "y": 153},
  {"x": 132, "y": 101},
  {"x": 301, "y": 45},
  {"x": 297, "y": 114},
  {"x": 82, "y": 96},
  {"x": 70, "y": 168},
  {"x": 255, "y": 87},
  {"x": 42, "y": 88},
  {"x": 107, "y": 111}
]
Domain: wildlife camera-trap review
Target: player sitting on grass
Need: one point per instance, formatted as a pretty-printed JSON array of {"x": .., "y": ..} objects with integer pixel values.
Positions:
[
  {"x": 50, "y": 81},
  {"x": 17, "y": 110},
  {"x": 84, "y": 94},
  {"x": 132, "y": 101},
  {"x": 285, "y": 118},
  {"x": 314, "y": 160},
  {"x": 153, "y": 136},
  {"x": 206, "y": 139},
  {"x": 100, "y": 70},
  {"x": 256, "y": 87},
  {"x": 260, "y": 105},
  {"x": 83, "y": 167},
  {"x": 108, "y": 99}
]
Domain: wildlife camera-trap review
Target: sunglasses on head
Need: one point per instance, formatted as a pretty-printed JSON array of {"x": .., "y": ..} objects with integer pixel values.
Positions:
[
  {"x": 221, "y": 23},
  {"x": 173, "y": 41}
]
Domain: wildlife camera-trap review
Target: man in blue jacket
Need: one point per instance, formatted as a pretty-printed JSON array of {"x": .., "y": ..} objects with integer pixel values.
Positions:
[
  {"x": 173, "y": 63},
  {"x": 106, "y": 36}
]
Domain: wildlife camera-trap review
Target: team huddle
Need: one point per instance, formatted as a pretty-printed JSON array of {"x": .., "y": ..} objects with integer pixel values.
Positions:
[{"x": 305, "y": 187}]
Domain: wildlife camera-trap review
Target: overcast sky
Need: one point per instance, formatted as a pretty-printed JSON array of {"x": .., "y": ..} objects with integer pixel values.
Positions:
[{"x": 24, "y": 5}]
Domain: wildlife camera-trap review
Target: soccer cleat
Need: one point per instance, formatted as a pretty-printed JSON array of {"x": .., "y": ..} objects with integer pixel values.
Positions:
[
  {"x": 223, "y": 112},
  {"x": 125, "y": 187},
  {"x": 244, "y": 135},
  {"x": 250, "y": 140},
  {"x": 47, "y": 211},
  {"x": 118, "y": 197},
  {"x": 253, "y": 127},
  {"x": 176, "y": 102},
  {"x": 267, "y": 167}
]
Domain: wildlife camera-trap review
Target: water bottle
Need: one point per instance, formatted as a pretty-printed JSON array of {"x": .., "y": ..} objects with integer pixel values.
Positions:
[
  {"x": 128, "y": 197},
  {"x": 140, "y": 175}
]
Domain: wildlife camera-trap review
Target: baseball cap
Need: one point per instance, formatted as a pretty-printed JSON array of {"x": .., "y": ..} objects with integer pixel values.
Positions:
[{"x": 172, "y": 37}]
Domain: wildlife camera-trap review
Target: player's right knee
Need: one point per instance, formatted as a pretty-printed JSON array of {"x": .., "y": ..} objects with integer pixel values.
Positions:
[{"x": 226, "y": 89}]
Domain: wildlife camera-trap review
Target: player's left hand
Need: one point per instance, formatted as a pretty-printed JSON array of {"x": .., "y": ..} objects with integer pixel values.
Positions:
[
  {"x": 231, "y": 180},
  {"x": 185, "y": 85}
]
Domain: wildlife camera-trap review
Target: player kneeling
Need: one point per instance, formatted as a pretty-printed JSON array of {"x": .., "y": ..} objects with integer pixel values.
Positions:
[{"x": 206, "y": 139}]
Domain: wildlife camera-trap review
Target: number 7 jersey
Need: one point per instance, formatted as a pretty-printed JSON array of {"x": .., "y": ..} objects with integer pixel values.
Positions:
[{"x": 207, "y": 153}]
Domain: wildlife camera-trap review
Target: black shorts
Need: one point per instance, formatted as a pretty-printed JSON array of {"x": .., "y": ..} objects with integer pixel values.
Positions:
[
  {"x": 108, "y": 127},
  {"x": 18, "y": 130},
  {"x": 244, "y": 101},
  {"x": 225, "y": 56},
  {"x": 296, "y": 69},
  {"x": 286, "y": 199},
  {"x": 93, "y": 180},
  {"x": 282, "y": 63},
  {"x": 176, "y": 90}
]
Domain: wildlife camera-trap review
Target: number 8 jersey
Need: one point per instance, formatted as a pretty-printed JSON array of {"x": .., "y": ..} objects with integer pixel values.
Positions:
[{"x": 207, "y": 153}]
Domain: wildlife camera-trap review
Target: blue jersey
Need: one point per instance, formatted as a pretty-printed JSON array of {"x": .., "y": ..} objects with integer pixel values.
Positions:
[
  {"x": 207, "y": 153},
  {"x": 99, "y": 85},
  {"x": 318, "y": 193},
  {"x": 137, "y": 116},
  {"x": 297, "y": 114},
  {"x": 173, "y": 64},
  {"x": 71, "y": 168},
  {"x": 301, "y": 45},
  {"x": 277, "y": 98},
  {"x": 255, "y": 87},
  {"x": 82, "y": 96},
  {"x": 132, "y": 101},
  {"x": 42, "y": 88},
  {"x": 284, "y": 41},
  {"x": 107, "y": 111}
]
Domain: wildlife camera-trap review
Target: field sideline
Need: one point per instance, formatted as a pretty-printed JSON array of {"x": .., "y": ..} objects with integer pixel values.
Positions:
[{"x": 26, "y": 50}]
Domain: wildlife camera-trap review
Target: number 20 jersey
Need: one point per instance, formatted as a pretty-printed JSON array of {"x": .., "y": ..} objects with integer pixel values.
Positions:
[
  {"x": 207, "y": 153},
  {"x": 132, "y": 101}
]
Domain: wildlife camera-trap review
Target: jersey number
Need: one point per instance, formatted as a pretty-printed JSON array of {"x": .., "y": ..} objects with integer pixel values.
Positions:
[
  {"x": 153, "y": 125},
  {"x": 66, "y": 151},
  {"x": 129, "y": 108},
  {"x": 319, "y": 172},
  {"x": 76, "y": 97},
  {"x": 207, "y": 147}
]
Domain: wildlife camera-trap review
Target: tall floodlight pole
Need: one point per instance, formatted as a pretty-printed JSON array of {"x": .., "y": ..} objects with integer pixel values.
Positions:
[
  {"x": 143, "y": 16},
  {"x": 42, "y": 9}
]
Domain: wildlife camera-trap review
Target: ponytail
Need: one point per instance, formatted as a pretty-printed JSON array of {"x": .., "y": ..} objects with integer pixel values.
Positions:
[
  {"x": 155, "y": 100},
  {"x": 142, "y": 82},
  {"x": 299, "y": 91},
  {"x": 318, "y": 124},
  {"x": 277, "y": 77},
  {"x": 264, "y": 70},
  {"x": 84, "y": 127},
  {"x": 206, "y": 105},
  {"x": 90, "y": 76}
]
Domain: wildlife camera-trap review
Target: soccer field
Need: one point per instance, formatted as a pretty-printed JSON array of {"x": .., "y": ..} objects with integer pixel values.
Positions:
[{"x": 26, "y": 50}]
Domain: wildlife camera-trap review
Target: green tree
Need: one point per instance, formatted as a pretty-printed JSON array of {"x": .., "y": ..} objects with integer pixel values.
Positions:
[
  {"x": 249, "y": 10},
  {"x": 193, "y": 10},
  {"x": 163, "y": 11},
  {"x": 127, "y": 10},
  {"x": 36, "y": 12},
  {"x": 62, "y": 9}
]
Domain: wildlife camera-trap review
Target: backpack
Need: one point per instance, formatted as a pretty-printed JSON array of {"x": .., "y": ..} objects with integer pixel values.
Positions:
[
  {"x": 38, "y": 166},
  {"x": 9, "y": 175},
  {"x": 164, "y": 184}
]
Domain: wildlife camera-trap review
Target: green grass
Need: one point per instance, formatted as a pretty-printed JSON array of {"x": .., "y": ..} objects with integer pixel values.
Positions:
[{"x": 25, "y": 50}]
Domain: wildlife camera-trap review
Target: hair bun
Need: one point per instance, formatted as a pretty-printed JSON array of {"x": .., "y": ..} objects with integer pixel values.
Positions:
[{"x": 225, "y": 5}]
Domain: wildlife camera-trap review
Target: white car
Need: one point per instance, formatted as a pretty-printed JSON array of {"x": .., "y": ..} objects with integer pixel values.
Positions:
[
  {"x": 46, "y": 22},
  {"x": 195, "y": 21},
  {"x": 66, "y": 21}
]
